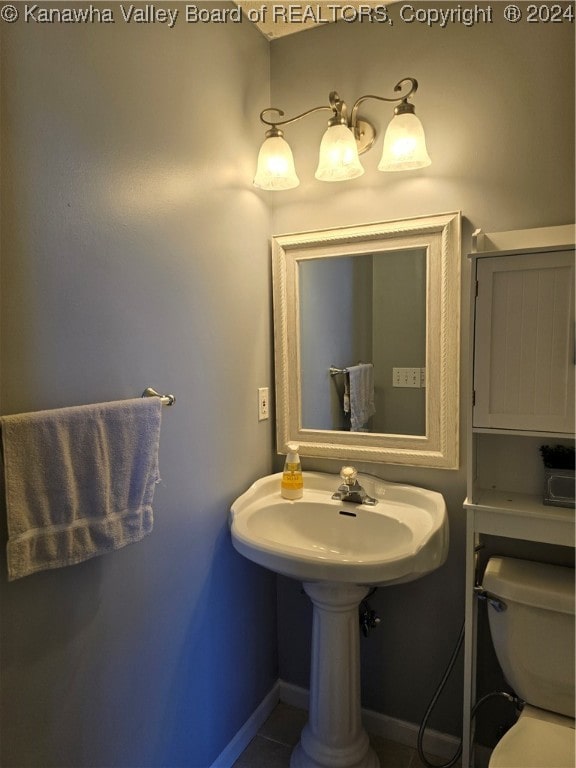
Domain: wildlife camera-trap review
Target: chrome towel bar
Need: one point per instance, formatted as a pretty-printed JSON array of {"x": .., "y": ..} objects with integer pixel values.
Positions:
[
  {"x": 336, "y": 371},
  {"x": 166, "y": 399}
]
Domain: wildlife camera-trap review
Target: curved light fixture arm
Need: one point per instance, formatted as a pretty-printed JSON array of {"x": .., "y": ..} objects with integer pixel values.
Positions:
[
  {"x": 338, "y": 107},
  {"x": 340, "y": 116},
  {"x": 398, "y": 87},
  {"x": 275, "y": 123}
]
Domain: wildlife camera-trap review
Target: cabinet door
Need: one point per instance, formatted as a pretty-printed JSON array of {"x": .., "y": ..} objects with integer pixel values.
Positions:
[{"x": 524, "y": 342}]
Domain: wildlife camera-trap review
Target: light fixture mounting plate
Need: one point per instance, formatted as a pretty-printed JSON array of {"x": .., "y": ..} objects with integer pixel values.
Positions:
[{"x": 365, "y": 134}]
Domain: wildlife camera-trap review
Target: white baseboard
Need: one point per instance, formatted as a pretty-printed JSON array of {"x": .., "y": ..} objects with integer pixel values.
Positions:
[
  {"x": 293, "y": 695},
  {"x": 435, "y": 743},
  {"x": 244, "y": 736}
]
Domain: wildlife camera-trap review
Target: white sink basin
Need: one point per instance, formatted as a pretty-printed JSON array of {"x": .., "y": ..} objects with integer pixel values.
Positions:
[{"x": 316, "y": 538}]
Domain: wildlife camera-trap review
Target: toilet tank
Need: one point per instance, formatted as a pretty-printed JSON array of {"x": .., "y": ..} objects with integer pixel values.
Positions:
[{"x": 534, "y": 636}]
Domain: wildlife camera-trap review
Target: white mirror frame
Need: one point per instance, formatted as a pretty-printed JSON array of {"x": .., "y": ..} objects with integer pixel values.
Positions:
[{"x": 440, "y": 236}]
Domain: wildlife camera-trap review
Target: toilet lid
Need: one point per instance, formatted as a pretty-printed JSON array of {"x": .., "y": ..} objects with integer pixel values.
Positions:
[{"x": 533, "y": 743}]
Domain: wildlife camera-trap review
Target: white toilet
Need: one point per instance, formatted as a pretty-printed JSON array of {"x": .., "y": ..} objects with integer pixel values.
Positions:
[{"x": 534, "y": 641}]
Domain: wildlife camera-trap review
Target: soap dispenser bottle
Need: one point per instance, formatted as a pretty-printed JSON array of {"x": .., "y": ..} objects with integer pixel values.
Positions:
[{"x": 292, "y": 483}]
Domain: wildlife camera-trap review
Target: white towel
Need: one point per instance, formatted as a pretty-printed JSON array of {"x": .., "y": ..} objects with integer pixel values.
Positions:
[
  {"x": 361, "y": 378},
  {"x": 79, "y": 481}
]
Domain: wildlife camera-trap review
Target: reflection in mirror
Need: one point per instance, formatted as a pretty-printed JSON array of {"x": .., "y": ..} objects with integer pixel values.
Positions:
[
  {"x": 364, "y": 308},
  {"x": 367, "y": 332}
]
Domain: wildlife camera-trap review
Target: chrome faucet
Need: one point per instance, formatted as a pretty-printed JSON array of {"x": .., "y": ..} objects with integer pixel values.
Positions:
[{"x": 350, "y": 490}]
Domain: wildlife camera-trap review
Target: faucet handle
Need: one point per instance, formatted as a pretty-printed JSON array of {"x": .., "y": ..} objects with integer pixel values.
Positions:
[{"x": 349, "y": 475}]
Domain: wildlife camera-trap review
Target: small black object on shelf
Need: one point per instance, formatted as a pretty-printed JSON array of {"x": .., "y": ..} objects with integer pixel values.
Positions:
[{"x": 557, "y": 456}]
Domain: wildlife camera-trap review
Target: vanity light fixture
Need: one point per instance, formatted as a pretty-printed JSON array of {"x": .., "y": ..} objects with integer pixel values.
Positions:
[{"x": 344, "y": 140}]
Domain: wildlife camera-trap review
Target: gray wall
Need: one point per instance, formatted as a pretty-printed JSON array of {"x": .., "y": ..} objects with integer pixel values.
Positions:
[
  {"x": 134, "y": 253},
  {"x": 497, "y": 104}
]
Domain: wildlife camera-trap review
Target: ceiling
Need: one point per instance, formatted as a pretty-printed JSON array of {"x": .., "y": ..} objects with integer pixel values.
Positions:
[{"x": 275, "y": 19}]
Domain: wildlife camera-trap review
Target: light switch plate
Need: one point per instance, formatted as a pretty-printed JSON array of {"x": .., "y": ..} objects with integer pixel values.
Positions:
[
  {"x": 263, "y": 407},
  {"x": 406, "y": 377}
]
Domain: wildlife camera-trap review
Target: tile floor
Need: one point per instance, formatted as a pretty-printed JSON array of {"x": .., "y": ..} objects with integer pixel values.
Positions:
[{"x": 272, "y": 746}]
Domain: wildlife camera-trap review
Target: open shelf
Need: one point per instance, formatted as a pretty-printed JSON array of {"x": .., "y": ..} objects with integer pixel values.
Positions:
[
  {"x": 523, "y": 433},
  {"x": 522, "y": 516}
]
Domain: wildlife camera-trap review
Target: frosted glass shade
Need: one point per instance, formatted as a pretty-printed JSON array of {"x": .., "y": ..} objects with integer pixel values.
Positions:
[
  {"x": 338, "y": 159},
  {"x": 404, "y": 144},
  {"x": 275, "y": 170}
]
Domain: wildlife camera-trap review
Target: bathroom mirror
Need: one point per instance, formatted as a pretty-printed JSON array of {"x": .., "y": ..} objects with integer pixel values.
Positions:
[{"x": 384, "y": 294}]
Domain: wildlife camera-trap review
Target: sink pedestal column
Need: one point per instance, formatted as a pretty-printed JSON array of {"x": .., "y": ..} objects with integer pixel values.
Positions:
[{"x": 334, "y": 736}]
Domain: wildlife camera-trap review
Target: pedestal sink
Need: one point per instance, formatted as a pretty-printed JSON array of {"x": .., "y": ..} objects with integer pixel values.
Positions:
[{"x": 339, "y": 550}]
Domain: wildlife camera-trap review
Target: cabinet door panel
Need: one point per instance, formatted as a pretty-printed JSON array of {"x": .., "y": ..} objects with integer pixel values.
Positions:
[{"x": 524, "y": 346}]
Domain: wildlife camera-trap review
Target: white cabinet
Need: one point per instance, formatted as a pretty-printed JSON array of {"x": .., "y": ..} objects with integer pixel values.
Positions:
[
  {"x": 521, "y": 368},
  {"x": 524, "y": 341}
]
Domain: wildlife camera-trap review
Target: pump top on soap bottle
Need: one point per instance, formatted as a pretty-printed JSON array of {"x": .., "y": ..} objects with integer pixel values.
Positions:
[{"x": 292, "y": 483}]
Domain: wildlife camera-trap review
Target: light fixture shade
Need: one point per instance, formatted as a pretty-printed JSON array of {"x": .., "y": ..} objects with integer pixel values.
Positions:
[
  {"x": 404, "y": 144},
  {"x": 338, "y": 159},
  {"x": 275, "y": 170}
]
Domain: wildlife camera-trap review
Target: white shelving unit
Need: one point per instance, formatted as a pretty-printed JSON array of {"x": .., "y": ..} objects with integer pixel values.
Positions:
[{"x": 521, "y": 365}]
